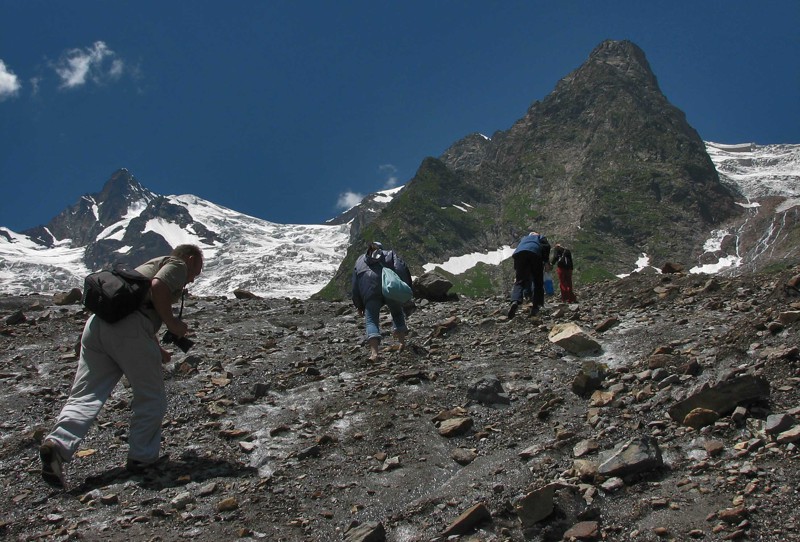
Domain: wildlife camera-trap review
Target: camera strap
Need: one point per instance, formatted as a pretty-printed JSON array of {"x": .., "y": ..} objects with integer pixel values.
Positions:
[{"x": 180, "y": 312}]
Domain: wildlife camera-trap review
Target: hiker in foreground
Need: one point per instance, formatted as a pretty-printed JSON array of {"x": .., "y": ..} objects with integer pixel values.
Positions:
[
  {"x": 529, "y": 259},
  {"x": 372, "y": 289},
  {"x": 127, "y": 347}
]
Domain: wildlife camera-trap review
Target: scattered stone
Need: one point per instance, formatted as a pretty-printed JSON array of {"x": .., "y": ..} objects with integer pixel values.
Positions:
[
  {"x": 537, "y": 505},
  {"x": 714, "y": 448},
  {"x": 790, "y": 435},
  {"x": 733, "y": 515},
  {"x": 635, "y": 456},
  {"x": 700, "y": 417},
  {"x": 239, "y": 293},
  {"x": 573, "y": 339},
  {"x": 789, "y": 317},
  {"x": 601, "y": 398},
  {"x": 366, "y": 532},
  {"x": 585, "y": 530},
  {"x": 724, "y": 397},
  {"x": 464, "y": 456},
  {"x": 182, "y": 500},
  {"x": 672, "y": 268},
  {"x": 68, "y": 298},
  {"x": 777, "y": 423},
  {"x": 432, "y": 286},
  {"x": 227, "y": 505},
  {"x": 488, "y": 390},
  {"x": 585, "y": 447},
  {"x": 612, "y": 484},
  {"x": 455, "y": 426},
  {"x": 589, "y": 379},
  {"x": 739, "y": 414},
  {"x": 17, "y": 317},
  {"x": 606, "y": 324},
  {"x": 467, "y": 521}
]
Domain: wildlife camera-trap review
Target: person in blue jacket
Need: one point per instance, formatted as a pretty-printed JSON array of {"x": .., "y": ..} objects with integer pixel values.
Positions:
[
  {"x": 367, "y": 296},
  {"x": 529, "y": 259}
]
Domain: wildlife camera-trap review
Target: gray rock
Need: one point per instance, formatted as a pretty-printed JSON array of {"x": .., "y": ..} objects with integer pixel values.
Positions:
[
  {"x": 778, "y": 423},
  {"x": 432, "y": 286},
  {"x": 724, "y": 397},
  {"x": 488, "y": 390},
  {"x": 366, "y": 532},
  {"x": 573, "y": 339},
  {"x": 632, "y": 457},
  {"x": 468, "y": 520}
]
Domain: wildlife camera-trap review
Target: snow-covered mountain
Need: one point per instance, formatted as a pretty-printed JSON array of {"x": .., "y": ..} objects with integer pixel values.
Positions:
[
  {"x": 265, "y": 258},
  {"x": 759, "y": 171},
  {"x": 128, "y": 222},
  {"x": 768, "y": 179}
]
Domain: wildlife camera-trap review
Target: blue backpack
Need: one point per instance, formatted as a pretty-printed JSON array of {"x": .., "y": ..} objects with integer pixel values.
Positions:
[{"x": 393, "y": 287}]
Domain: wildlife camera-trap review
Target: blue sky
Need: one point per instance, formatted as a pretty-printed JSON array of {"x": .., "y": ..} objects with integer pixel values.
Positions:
[{"x": 286, "y": 110}]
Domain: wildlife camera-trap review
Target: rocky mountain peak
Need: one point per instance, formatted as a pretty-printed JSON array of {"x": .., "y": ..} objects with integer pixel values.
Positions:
[
  {"x": 624, "y": 56},
  {"x": 92, "y": 213},
  {"x": 604, "y": 163},
  {"x": 117, "y": 194}
]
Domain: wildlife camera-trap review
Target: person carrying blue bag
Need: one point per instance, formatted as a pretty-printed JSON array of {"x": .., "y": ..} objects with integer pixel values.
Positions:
[
  {"x": 529, "y": 259},
  {"x": 369, "y": 294}
]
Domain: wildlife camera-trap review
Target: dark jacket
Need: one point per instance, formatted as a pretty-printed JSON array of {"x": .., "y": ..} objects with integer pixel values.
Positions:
[
  {"x": 538, "y": 244},
  {"x": 562, "y": 257},
  {"x": 367, "y": 275}
]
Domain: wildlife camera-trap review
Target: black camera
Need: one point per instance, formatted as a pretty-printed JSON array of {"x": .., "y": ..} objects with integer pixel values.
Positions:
[{"x": 181, "y": 342}]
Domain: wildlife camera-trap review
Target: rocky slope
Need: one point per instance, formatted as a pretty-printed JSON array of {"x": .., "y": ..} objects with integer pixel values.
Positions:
[{"x": 280, "y": 429}]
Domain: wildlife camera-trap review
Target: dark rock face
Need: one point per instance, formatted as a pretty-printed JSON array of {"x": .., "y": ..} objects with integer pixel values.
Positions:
[
  {"x": 83, "y": 221},
  {"x": 279, "y": 428}
]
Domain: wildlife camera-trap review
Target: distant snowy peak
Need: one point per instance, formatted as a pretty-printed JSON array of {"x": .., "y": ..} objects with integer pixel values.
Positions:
[
  {"x": 365, "y": 212},
  {"x": 758, "y": 171},
  {"x": 371, "y": 203},
  {"x": 126, "y": 222}
]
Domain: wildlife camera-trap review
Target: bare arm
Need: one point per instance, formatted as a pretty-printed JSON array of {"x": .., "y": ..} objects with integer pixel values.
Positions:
[{"x": 162, "y": 303}]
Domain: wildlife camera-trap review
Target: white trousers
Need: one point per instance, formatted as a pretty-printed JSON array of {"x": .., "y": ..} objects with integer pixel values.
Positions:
[{"x": 108, "y": 351}]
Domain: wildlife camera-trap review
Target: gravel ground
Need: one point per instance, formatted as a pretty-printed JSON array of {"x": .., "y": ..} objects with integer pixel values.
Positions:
[{"x": 279, "y": 428}]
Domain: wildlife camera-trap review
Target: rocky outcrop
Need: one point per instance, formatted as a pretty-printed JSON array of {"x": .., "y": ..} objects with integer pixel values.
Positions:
[{"x": 636, "y": 172}]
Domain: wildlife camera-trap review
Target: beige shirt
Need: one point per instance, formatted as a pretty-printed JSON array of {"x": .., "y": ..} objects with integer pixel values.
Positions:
[{"x": 171, "y": 271}]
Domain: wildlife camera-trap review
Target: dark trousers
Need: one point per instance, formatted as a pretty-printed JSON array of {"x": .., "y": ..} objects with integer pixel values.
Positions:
[{"x": 528, "y": 270}]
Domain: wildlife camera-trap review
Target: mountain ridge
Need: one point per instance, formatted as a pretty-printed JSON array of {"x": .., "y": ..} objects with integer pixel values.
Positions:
[{"x": 604, "y": 164}]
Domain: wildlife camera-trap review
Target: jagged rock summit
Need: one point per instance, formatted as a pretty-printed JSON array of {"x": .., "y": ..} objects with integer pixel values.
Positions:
[{"x": 604, "y": 163}]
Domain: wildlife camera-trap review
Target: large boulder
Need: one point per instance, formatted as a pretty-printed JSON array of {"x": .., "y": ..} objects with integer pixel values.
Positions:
[
  {"x": 573, "y": 339},
  {"x": 432, "y": 286}
]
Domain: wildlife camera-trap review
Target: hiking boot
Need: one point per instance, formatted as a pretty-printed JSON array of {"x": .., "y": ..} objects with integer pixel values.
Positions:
[
  {"x": 135, "y": 466},
  {"x": 534, "y": 311},
  {"x": 513, "y": 309},
  {"x": 52, "y": 470}
]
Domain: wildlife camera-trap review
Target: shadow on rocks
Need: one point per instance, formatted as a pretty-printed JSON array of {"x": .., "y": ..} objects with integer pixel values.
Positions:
[{"x": 172, "y": 473}]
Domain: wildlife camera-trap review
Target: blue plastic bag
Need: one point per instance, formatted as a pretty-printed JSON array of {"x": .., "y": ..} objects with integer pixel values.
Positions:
[
  {"x": 393, "y": 287},
  {"x": 548, "y": 283}
]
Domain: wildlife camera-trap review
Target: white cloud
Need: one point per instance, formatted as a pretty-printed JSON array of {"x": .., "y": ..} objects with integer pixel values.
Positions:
[
  {"x": 35, "y": 85},
  {"x": 391, "y": 175},
  {"x": 76, "y": 66},
  {"x": 9, "y": 83},
  {"x": 348, "y": 200}
]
